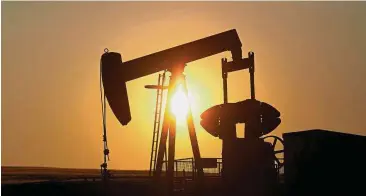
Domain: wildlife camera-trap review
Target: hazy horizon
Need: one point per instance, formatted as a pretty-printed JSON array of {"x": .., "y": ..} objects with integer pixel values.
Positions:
[{"x": 309, "y": 56}]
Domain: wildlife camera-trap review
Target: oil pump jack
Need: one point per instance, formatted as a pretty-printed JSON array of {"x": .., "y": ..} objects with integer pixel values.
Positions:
[{"x": 116, "y": 73}]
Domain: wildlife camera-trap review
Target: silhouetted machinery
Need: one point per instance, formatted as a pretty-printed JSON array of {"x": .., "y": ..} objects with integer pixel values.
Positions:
[
  {"x": 323, "y": 162},
  {"x": 248, "y": 163}
]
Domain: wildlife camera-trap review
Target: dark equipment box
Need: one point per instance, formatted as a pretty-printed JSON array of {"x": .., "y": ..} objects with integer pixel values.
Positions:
[{"x": 321, "y": 162}]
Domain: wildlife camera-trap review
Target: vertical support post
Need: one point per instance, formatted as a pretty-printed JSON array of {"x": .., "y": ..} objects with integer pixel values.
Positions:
[
  {"x": 251, "y": 72},
  {"x": 193, "y": 136},
  {"x": 229, "y": 134},
  {"x": 164, "y": 132},
  {"x": 224, "y": 78},
  {"x": 171, "y": 153},
  {"x": 254, "y": 124},
  {"x": 161, "y": 102}
]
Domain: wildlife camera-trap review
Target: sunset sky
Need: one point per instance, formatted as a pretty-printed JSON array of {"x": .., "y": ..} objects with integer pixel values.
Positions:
[{"x": 310, "y": 64}]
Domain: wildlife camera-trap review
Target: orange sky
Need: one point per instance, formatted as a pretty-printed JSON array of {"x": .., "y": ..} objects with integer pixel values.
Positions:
[{"x": 310, "y": 64}]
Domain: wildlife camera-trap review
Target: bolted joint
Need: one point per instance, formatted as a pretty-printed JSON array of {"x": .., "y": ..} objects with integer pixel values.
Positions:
[
  {"x": 224, "y": 68},
  {"x": 106, "y": 151},
  {"x": 103, "y": 165},
  {"x": 251, "y": 68},
  {"x": 251, "y": 59}
]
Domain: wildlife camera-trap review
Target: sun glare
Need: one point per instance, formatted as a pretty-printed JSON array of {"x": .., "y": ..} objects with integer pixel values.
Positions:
[{"x": 180, "y": 104}]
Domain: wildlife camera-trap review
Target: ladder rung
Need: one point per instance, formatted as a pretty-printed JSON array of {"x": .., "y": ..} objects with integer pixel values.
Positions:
[{"x": 157, "y": 121}]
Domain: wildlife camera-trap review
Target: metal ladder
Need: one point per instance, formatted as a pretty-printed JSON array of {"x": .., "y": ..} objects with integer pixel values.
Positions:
[{"x": 158, "y": 109}]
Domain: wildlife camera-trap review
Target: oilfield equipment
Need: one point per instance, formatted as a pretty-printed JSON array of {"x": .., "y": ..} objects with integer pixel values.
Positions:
[
  {"x": 116, "y": 73},
  {"x": 249, "y": 165},
  {"x": 157, "y": 117}
]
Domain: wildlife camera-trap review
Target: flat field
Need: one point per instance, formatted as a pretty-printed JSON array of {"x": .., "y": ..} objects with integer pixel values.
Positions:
[
  {"x": 59, "y": 181},
  {"x": 16, "y": 175}
]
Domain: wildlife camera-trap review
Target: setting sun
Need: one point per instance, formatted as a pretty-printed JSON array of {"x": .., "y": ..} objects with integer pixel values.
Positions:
[{"x": 180, "y": 103}]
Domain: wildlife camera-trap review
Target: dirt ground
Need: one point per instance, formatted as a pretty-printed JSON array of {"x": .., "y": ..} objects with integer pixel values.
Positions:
[
  {"x": 59, "y": 181},
  {"x": 16, "y": 175},
  {"x": 56, "y": 182}
]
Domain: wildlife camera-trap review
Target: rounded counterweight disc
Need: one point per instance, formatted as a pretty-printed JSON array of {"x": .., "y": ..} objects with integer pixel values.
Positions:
[{"x": 241, "y": 112}]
